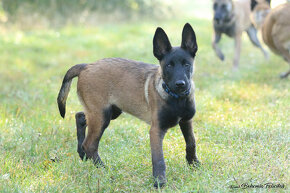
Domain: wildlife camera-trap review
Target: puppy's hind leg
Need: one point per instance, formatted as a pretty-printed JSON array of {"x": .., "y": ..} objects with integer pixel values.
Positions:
[
  {"x": 252, "y": 33},
  {"x": 81, "y": 132},
  {"x": 97, "y": 121}
]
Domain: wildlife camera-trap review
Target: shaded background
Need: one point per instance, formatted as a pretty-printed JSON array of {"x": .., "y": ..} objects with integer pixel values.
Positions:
[{"x": 56, "y": 13}]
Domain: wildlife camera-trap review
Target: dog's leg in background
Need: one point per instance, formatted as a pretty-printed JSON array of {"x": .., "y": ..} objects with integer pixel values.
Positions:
[
  {"x": 285, "y": 52},
  {"x": 81, "y": 132},
  {"x": 156, "y": 139},
  {"x": 252, "y": 33},
  {"x": 187, "y": 131},
  {"x": 238, "y": 41},
  {"x": 216, "y": 38},
  {"x": 285, "y": 74}
]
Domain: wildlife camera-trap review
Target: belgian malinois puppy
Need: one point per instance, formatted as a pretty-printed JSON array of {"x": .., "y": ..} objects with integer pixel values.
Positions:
[
  {"x": 275, "y": 27},
  {"x": 233, "y": 18},
  {"x": 162, "y": 96}
]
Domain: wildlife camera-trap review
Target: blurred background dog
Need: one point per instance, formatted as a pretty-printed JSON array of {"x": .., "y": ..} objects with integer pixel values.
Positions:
[
  {"x": 275, "y": 27},
  {"x": 233, "y": 18}
]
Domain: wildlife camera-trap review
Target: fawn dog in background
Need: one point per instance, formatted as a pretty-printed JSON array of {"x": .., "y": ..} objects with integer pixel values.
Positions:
[
  {"x": 260, "y": 9},
  {"x": 162, "y": 96},
  {"x": 233, "y": 18},
  {"x": 275, "y": 28}
]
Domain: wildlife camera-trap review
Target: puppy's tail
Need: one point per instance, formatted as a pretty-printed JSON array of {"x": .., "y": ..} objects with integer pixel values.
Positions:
[{"x": 65, "y": 87}]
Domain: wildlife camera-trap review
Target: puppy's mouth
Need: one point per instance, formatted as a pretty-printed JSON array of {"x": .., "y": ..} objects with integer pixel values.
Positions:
[
  {"x": 177, "y": 92},
  {"x": 183, "y": 91}
]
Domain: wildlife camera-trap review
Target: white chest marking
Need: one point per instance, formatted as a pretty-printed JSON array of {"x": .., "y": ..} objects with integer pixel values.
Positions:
[{"x": 146, "y": 87}]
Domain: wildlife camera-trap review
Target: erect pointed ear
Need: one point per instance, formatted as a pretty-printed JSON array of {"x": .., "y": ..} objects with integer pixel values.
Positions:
[
  {"x": 189, "y": 40},
  {"x": 253, "y": 4},
  {"x": 161, "y": 44}
]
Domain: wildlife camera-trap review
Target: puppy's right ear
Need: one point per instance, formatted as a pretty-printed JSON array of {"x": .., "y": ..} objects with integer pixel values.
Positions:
[{"x": 161, "y": 44}]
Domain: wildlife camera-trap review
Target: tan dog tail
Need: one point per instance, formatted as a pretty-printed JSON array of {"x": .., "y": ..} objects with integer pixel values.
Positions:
[{"x": 65, "y": 87}]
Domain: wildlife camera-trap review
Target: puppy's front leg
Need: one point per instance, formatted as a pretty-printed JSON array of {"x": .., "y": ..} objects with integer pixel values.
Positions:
[
  {"x": 238, "y": 42},
  {"x": 156, "y": 139},
  {"x": 186, "y": 128},
  {"x": 216, "y": 38}
]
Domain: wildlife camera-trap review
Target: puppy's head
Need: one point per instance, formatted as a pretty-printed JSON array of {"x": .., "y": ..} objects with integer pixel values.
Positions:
[
  {"x": 176, "y": 62},
  {"x": 222, "y": 11},
  {"x": 260, "y": 9}
]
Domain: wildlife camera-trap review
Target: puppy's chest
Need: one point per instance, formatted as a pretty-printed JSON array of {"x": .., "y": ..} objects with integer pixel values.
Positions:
[{"x": 173, "y": 111}]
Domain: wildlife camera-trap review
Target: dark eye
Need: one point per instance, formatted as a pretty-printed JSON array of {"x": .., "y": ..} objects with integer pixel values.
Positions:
[
  {"x": 186, "y": 63},
  {"x": 214, "y": 5},
  {"x": 169, "y": 65},
  {"x": 224, "y": 6}
]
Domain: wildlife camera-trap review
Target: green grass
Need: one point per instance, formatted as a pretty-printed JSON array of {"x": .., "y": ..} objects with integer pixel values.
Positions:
[{"x": 241, "y": 125}]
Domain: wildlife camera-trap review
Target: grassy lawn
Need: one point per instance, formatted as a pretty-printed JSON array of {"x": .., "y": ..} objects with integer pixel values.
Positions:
[{"x": 241, "y": 125}]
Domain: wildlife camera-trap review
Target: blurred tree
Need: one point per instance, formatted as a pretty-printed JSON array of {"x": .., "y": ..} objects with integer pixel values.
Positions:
[{"x": 66, "y": 9}]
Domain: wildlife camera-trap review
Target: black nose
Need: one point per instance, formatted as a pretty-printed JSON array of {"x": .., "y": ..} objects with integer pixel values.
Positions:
[
  {"x": 217, "y": 17},
  {"x": 180, "y": 83}
]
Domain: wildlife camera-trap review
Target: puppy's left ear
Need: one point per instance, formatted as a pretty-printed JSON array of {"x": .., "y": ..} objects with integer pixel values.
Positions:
[{"x": 189, "y": 40}]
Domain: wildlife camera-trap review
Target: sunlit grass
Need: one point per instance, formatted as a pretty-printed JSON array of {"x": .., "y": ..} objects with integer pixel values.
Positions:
[{"x": 241, "y": 126}]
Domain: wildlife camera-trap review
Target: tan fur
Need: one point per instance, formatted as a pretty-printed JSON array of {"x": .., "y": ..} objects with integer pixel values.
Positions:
[
  {"x": 97, "y": 89},
  {"x": 259, "y": 13},
  {"x": 242, "y": 12},
  {"x": 276, "y": 32}
]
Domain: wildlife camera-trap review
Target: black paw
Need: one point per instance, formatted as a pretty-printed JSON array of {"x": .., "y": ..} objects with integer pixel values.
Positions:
[
  {"x": 98, "y": 162},
  {"x": 160, "y": 182},
  {"x": 195, "y": 163},
  {"x": 81, "y": 153}
]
